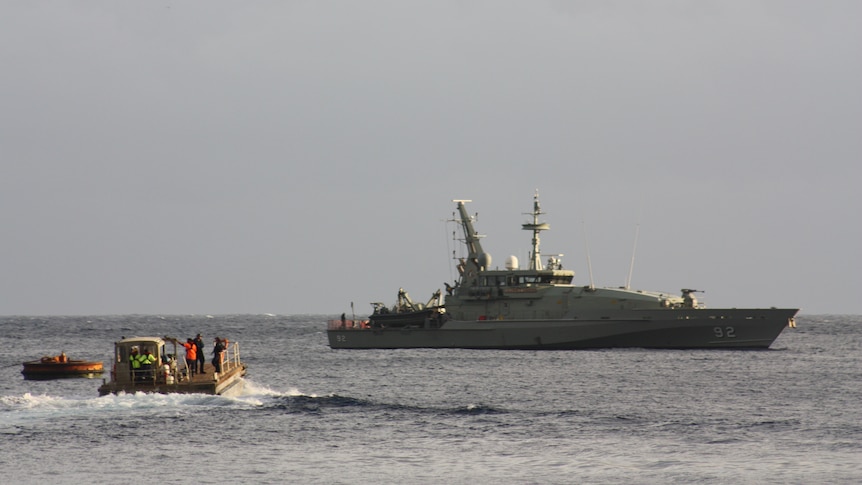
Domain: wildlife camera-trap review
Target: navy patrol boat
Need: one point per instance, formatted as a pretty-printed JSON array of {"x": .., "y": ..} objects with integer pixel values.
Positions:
[{"x": 540, "y": 308}]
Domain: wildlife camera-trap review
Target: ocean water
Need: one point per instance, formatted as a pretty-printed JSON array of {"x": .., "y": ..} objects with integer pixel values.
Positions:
[{"x": 309, "y": 414}]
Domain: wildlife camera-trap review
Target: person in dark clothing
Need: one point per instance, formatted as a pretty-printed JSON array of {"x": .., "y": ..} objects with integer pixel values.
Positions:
[
  {"x": 218, "y": 351},
  {"x": 199, "y": 342}
]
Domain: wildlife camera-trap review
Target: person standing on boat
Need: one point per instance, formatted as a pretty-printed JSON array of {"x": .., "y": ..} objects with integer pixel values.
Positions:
[
  {"x": 218, "y": 351},
  {"x": 191, "y": 356},
  {"x": 199, "y": 343},
  {"x": 135, "y": 363},
  {"x": 147, "y": 360}
]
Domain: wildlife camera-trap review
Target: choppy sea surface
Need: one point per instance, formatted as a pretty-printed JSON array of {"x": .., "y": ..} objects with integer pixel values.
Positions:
[{"x": 309, "y": 414}]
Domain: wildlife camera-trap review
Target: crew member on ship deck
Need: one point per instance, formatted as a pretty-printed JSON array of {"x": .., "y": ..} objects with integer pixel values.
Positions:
[{"x": 191, "y": 356}]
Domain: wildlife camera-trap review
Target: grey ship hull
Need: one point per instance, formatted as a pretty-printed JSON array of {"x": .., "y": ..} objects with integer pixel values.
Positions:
[{"x": 659, "y": 328}]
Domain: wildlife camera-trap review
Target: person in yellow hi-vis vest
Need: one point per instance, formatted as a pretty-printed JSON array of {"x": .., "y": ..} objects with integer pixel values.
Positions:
[{"x": 135, "y": 361}]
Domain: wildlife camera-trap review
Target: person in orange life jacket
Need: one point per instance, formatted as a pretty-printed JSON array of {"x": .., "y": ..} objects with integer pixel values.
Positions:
[
  {"x": 199, "y": 343},
  {"x": 191, "y": 356}
]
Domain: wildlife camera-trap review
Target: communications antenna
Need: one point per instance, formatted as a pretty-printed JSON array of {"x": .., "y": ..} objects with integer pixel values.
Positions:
[
  {"x": 632, "y": 265},
  {"x": 589, "y": 262}
]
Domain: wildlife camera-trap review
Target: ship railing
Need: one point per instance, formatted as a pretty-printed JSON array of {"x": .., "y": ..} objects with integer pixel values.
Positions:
[
  {"x": 186, "y": 372},
  {"x": 144, "y": 376},
  {"x": 230, "y": 357},
  {"x": 348, "y": 324}
]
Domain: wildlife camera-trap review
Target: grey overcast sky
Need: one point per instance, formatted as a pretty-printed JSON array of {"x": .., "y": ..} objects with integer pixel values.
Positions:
[{"x": 292, "y": 157}]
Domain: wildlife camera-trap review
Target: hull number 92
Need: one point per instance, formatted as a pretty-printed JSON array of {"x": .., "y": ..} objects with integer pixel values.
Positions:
[{"x": 724, "y": 332}]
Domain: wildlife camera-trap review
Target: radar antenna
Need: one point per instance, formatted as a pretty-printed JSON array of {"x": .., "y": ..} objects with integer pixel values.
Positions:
[{"x": 536, "y": 227}]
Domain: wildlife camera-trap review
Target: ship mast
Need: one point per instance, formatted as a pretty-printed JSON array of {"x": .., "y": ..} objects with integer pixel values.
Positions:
[{"x": 536, "y": 227}]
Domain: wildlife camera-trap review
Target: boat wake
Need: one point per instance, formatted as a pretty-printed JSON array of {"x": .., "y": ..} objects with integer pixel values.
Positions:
[
  {"x": 55, "y": 405},
  {"x": 336, "y": 403},
  {"x": 296, "y": 401},
  {"x": 17, "y": 411},
  {"x": 14, "y": 409}
]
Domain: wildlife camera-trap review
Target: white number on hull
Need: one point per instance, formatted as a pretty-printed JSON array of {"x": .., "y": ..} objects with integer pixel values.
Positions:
[
  {"x": 341, "y": 338},
  {"x": 724, "y": 332}
]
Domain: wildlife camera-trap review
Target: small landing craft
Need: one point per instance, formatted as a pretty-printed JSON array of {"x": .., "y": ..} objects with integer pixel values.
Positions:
[
  {"x": 540, "y": 308},
  {"x": 58, "y": 366},
  {"x": 168, "y": 374}
]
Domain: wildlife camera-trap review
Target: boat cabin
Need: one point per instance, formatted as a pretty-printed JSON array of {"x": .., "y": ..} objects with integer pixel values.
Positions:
[{"x": 161, "y": 367}]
